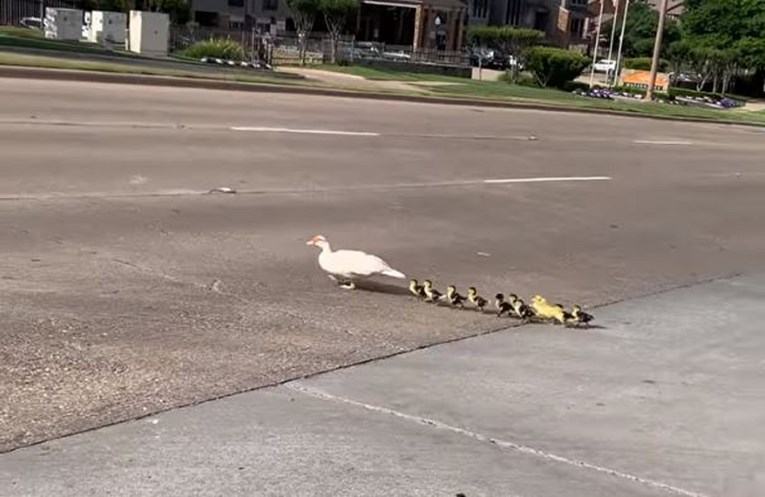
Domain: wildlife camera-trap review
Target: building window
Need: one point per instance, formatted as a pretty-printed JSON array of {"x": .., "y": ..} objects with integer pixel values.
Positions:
[
  {"x": 479, "y": 8},
  {"x": 576, "y": 27},
  {"x": 236, "y": 3},
  {"x": 270, "y": 4}
]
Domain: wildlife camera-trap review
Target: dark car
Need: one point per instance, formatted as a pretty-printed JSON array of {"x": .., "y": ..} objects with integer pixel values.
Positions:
[{"x": 488, "y": 58}]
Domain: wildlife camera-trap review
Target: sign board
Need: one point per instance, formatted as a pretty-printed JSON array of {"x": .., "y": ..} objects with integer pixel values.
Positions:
[{"x": 641, "y": 79}]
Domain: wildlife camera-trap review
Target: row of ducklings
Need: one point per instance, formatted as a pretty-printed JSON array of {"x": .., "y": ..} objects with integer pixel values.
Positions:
[{"x": 512, "y": 306}]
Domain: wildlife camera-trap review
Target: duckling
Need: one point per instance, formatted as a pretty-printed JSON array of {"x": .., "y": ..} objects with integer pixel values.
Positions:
[
  {"x": 503, "y": 307},
  {"x": 546, "y": 311},
  {"x": 454, "y": 298},
  {"x": 520, "y": 309},
  {"x": 579, "y": 317},
  {"x": 478, "y": 301},
  {"x": 431, "y": 294},
  {"x": 416, "y": 289}
]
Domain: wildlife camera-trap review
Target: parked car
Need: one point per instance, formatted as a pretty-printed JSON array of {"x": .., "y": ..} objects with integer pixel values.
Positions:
[
  {"x": 31, "y": 22},
  {"x": 488, "y": 58},
  {"x": 366, "y": 50},
  {"x": 397, "y": 55},
  {"x": 605, "y": 65}
]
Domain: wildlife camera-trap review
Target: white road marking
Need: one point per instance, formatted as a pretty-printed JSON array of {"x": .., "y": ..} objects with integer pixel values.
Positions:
[
  {"x": 662, "y": 142},
  {"x": 546, "y": 180},
  {"x": 525, "y": 449},
  {"x": 261, "y": 129},
  {"x": 297, "y": 190}
]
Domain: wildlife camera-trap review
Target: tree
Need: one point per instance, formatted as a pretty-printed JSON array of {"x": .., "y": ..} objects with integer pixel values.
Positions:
[
  {"x": 722, "y": 23},
  {"x": 178, "y": 10},
  {"x": 729, "y": 37},
  {"x": 640, "y": 30},
  {"x": 555, "y": 66},
  {"x": 335, "y": 14},
  {"x": 510, "y": 40},
  {"x": 303, "y": 14},
  {"x": 679, "y": 55}
]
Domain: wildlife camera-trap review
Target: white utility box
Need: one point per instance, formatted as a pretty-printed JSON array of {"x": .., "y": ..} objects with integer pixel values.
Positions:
[
  {"x": 107, "y": 27},
  {"x": 149, "y": 32},
  {"x": 63, "y": 24}
]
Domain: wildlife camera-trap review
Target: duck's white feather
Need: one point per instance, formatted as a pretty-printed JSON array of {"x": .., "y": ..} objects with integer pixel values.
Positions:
[
  {"x": 351, "y": 264},
  {"x": 355, "y": 264}
]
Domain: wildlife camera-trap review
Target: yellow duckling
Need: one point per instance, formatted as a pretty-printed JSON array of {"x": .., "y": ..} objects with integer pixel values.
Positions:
[{"x": 546, "y": 311}]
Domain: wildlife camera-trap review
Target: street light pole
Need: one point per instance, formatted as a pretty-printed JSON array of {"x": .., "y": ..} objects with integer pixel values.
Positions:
[
  {"x": 597, "y": 42},
  {"x": 613, "y": 29},
  {"x": 656, "y": 50},
  {"x": 617, "y": 69}
]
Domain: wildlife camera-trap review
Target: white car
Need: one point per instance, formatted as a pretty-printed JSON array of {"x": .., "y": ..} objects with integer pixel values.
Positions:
[{"x": 605, "y": 65}]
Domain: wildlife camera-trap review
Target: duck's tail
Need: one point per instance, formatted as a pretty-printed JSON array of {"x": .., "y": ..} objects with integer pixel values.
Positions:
[{"x": 394, "y": 274}]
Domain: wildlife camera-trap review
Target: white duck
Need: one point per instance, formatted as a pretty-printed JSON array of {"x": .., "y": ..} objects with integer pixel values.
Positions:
[{"x": 347, "y": 266}]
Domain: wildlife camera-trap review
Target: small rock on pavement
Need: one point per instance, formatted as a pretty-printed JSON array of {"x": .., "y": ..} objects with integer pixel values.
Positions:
[{"x": 222, "y": 189}]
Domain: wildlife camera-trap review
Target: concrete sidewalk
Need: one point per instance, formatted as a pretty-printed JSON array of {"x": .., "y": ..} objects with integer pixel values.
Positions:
[{"x": 664, "y": 399}]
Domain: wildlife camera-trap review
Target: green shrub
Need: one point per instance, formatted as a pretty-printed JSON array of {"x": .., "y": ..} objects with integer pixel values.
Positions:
[
  {"x": 526, "y": 79},
  {"x": 506, "y": 77},
  {"x": 555, "y": 66},
  {"x": 221, "y": 49},
  {"x": 571, "y": 86},
  {"x": 629, "y": 89},
  {"x": 644, "y": 64},
  {"x": 523, "y": 79}
]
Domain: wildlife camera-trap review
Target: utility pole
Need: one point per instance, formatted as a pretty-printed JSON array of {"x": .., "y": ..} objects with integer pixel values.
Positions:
[
  {"x": 597, "y": 43},
  {"x": 656, "y": 50},
  {"x": 613, "y": 29},
  {"x": 618, "y": 68}
]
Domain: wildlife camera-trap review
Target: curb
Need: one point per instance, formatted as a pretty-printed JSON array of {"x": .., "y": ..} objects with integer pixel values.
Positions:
[{"x": 20, "y": 72}]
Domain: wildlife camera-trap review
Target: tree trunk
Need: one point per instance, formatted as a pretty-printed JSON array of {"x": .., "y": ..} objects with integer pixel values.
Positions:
[
  {"x": 301, "y": 47},
  {"x": 335, "y": 24},
  {"x": 333, "y": 53},
  {"x": 727, "y": 76}
]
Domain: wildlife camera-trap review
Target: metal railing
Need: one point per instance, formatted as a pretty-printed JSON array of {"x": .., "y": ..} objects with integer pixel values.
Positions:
[{"x": 13, "y": 11}]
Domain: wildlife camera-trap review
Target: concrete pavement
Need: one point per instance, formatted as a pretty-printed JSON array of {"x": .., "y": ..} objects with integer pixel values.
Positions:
[
  {"x": 126, "y": 290},
  {"x": 663, "y": 399}
]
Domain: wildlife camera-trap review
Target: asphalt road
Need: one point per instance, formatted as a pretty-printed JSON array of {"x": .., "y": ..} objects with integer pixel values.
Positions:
[
  {"x": 126, "y": 289},
  {"x": 660, "y": 403}
]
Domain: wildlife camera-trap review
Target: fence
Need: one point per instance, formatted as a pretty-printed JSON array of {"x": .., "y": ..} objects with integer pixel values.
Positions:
[
  {"x": 13, "y": 11},
  {"x": 372, "y": 51},
  {"x": 278, "y": 50}
]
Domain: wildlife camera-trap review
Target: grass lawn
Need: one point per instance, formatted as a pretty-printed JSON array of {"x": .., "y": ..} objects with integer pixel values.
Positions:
[
  {"x": 12, "y": 59},
  {"x": 505, "y": 91},
  {"x": 378, "y": 74},
  {"x": 497, "y": 90},
  {"x": 448, "y": 86},
  {"x": 32, "y": 38}
]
